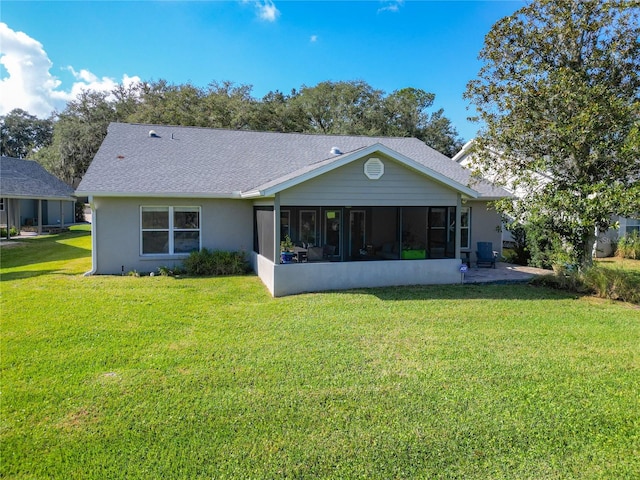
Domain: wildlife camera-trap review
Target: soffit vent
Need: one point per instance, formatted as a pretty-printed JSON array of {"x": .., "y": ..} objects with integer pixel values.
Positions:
[{"x": 374, "y": 168}]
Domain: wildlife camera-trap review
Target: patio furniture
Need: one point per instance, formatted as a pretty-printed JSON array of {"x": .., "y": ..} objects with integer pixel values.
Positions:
[
  {"x": 486, "y": 255},
  {"x": 314, "y": 254}
]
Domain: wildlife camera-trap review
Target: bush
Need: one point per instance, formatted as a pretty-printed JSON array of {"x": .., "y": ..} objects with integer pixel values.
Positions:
[
  {"x": 79, "y": 212},
  {"x": 13, "y": 231},
  {"x": 611, "y": 283},
  {"x": 166, "y": 271},
  {"x": 629, "y": 246},
  {"x": 217, "y": 262},
  {"x": 519, "y": 253}
]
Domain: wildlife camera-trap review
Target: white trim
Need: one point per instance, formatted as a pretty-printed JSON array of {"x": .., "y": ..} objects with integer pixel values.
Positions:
[
  {"x": 171, "y": 230},
  {"x": 468, "y": 228}
]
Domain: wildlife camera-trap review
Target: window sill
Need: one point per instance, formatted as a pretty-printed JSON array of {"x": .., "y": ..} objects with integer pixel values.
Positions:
[{"x": 164, "y": 256}]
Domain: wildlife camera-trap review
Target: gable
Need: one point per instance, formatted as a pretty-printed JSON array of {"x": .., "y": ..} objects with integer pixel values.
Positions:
[{"x": 350, "y": 185}]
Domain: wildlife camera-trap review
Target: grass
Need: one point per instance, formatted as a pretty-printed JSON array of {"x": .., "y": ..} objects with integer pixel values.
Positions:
[{"x": 156, "y": 377}]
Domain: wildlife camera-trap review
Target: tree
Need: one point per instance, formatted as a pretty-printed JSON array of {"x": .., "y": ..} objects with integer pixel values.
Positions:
[
  {"x": 23, "y": 134},
  {"x": 77, "y": 135},
  {"x": 349, "y": 108},
  {"x": 559, "y": 97}
]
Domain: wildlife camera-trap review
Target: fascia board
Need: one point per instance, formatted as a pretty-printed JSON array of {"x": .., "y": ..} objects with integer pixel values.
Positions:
[
  {"x": 38, "y": 197},
  {"x": 87, "y": 193}
]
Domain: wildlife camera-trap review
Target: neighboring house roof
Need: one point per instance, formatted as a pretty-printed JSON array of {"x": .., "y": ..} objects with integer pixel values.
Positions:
[
  {"x": 466, "y": 156},
  {"x": 191, "y": 161},
  {"x": 28, "y": 179}
]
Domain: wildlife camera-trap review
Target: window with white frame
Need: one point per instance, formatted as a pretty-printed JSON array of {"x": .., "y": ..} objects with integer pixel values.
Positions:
[
  {"x": 169, "y": 230},
  {"x": 465, "y": 228}
]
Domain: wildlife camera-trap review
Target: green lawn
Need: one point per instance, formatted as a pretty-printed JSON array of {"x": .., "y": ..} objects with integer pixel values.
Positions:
[{"x": 156, "y": 377}]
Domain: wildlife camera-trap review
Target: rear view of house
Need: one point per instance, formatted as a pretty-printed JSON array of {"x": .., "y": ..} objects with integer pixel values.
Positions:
[{"x": 361, "y": 211}]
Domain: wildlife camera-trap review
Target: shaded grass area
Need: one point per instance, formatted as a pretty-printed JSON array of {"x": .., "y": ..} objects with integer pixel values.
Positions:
[
  {"x": 27, "y": 257},
  {"x": 155, "y": 377}
]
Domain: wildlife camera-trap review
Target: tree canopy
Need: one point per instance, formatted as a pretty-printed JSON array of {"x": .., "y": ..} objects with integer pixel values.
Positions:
[
  {"x": 558, "y": 94},
  {"x": 346, "y": 107},
  {"x": 23, "y": 134}
]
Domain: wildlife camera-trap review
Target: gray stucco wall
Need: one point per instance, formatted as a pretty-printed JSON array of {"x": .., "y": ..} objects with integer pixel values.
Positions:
[
  {"x": 25, "y": 212},
  {"x": 282, "y": 280},
  {"x": 225, "y": 225},
  {"x": 485, "y": 227}
]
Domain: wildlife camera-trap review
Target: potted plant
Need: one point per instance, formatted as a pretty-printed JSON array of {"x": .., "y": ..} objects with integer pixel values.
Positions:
[{"x": 286, "y": 250}]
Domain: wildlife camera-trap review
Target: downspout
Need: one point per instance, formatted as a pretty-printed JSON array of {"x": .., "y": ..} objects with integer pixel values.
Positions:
[{"x": 94, "y": 240}]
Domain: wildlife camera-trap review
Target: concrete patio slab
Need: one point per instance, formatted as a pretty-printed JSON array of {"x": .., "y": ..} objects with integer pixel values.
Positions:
[{"x": 503, "y": 273}]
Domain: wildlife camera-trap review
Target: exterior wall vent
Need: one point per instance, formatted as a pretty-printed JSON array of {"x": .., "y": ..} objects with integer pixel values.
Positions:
[{"x": 374, "y": 168}]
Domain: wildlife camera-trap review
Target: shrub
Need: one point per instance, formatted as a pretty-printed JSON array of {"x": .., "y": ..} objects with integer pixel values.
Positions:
[
  {"x": 629, "y": 246},
  {"x": 13, "y": 231},
  {"x": 216, "y": 262},
  {"x": 166, "y": 271},
  {"x": 611, "y": 283},
  {"x": 79, "y": 211},
  {"x": 518, "y": 253}
]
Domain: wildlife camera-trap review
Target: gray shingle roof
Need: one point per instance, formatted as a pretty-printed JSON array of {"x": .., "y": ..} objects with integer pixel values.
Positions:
[
  {"x": 195, "y": 161},
  {"x": 28, "y": 179}
]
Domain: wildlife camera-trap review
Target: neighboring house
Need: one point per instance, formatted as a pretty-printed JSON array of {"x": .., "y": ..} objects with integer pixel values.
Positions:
[
  {"x": 363, "y": 211},
  {"x": 606, "y": 240},
  {"x": 32, "y": 197}
]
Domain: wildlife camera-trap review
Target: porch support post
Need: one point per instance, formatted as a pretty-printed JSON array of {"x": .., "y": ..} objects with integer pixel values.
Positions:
[
  {"x": 8, "y": 212},
  {"x": 39, "y": 217},
  {"x": 61, "y": 215},
  {"x": 458, "y": 225},
  {"x": 276, "y": 229}
]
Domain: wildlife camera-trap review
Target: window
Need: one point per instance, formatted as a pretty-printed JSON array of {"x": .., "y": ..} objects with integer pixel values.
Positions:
[
  {"x": 169, "y": 230},
  {"x": 633, "y": 225},
  {"x": 465, "y": 228},
  {"x": 1, "y": 204}
]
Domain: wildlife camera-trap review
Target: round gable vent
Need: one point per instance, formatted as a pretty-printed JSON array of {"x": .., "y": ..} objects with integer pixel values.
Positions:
[{"x": 373, "y": 168}]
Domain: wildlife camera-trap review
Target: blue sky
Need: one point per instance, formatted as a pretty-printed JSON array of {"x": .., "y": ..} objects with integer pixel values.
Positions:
[{"x": 50, "y": 50}]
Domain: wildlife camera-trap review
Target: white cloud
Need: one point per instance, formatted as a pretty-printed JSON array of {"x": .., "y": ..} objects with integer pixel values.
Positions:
[
  {"x": 30, "y": 85},
  {"x": 267, "y": 10},
  {"x": 313, "y": 39},
  {"x": 390, "y": 5}
]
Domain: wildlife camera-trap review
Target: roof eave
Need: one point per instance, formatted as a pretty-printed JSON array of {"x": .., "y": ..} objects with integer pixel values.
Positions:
[
  {"x": 38, "y": 197},
  {"x": 94, "y": 193}
]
